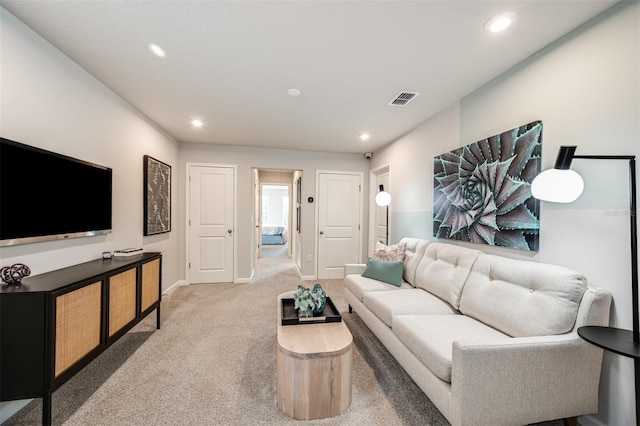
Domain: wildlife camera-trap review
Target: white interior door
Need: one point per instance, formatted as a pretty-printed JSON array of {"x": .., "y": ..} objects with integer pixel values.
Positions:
[
  {"x": 339, "y": 213},
  {"x": 211, "y": 224}
]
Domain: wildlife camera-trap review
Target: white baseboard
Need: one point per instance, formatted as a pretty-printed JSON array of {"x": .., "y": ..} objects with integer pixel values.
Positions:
[
  {"x": 308, "y": 277},
  {"x": 173, "y": 287},
  {"x": 9, "y": 408},
  {"x": 244, "y": 280},
  {"x": 589, "y": 421}
]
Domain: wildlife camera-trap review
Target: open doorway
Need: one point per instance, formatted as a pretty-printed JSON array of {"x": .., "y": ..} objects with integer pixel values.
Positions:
[
  {"x": 378, "y": 216},
  {"x": 275, "y": 216}
]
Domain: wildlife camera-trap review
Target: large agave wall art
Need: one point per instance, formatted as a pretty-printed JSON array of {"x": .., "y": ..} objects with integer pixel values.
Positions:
[{"x": 482, "y": 191}]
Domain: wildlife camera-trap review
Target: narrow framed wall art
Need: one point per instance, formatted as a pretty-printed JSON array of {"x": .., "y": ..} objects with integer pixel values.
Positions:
[{"x": 157, "y": 196}]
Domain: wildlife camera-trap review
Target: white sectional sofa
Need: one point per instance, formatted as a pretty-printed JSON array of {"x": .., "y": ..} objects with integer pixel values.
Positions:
[{"x": 490, "y": 340}]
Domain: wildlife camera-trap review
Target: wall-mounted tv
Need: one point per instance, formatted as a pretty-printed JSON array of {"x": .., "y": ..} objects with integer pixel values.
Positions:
[{"x": 48, "y": 196}]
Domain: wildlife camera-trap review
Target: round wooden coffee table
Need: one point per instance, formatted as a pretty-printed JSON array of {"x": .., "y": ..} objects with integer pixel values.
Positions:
[{"x": 314, "y": 364}]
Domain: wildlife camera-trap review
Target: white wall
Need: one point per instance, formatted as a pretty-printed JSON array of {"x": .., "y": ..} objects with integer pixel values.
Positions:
[
  {"x": 410, "y": 161},
  {"x": 586, "y": 90},
  {"x": 276, "y": 194},
  {"x": 246, "y": 159},
  {"x": 275, "y": 207},
  {"x": 48, "y": 101}
]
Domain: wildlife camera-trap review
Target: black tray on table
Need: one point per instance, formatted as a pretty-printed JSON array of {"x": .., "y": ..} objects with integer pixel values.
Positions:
[{"x": 290, "y": 315}]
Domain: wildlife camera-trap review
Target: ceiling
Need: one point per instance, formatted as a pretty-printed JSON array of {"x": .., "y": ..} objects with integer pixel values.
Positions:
[{"x": 230, "y": 63}]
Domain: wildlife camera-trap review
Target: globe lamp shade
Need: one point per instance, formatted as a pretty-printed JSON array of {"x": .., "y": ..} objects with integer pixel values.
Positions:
[
  {"x": 557, "y": 186},
  {"x": 383, "y": 198}
]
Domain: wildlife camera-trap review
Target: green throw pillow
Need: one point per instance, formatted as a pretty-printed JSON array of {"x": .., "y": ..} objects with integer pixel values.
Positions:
[{"x": 388, "y": 271}]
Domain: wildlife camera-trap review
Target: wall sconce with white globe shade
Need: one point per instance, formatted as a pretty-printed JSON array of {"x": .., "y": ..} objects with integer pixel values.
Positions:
[{"x": 383, "y": 199}]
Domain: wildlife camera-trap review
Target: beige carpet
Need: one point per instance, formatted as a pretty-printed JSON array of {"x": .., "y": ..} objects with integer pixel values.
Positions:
[{"x": 213, "y": 363}]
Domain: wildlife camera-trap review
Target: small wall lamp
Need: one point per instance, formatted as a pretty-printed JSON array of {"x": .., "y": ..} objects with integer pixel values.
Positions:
[{"x": 383, "y": 199}]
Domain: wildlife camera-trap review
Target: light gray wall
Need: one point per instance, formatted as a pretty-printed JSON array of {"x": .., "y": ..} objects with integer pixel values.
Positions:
[
  {"x": 48, "y": 101},
  {"x": 275, "y": 210},
  {"x": 586, "y": 90},
  {"x": 246, "y": 159},
  {"x": 273, "y": 176}
]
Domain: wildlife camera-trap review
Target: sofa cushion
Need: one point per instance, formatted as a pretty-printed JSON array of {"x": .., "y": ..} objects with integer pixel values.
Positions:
[
  {"x": 391, "y": 252},
  {"x": 430, "y": 338},
  {"x": 382, "y": 270},
  {"x": 443, "y": 270},
  {"x": 410, "y": 243},
  {"x": 359, "y": 285},
  {"x": 523, "y": 298},
  {"x": 402, "y": 302},
  {"x": 414, "y": 251}
]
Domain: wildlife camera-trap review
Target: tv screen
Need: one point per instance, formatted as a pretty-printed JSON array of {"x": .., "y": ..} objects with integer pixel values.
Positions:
[{"x": 47, "y": 196}]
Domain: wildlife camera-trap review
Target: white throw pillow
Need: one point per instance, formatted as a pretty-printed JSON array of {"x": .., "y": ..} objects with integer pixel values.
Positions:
[{"x": 393, "y": 252}]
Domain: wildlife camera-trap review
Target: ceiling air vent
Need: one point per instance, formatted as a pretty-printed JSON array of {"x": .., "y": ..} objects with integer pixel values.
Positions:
[{"x": 403, "y": 98}]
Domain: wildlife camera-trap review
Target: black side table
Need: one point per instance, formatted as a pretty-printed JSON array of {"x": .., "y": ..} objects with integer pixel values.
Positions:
[{"x": 618, "y": 341}]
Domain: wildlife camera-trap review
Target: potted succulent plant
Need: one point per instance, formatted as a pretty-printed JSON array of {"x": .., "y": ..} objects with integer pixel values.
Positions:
[{"x": 309, "y": 301}]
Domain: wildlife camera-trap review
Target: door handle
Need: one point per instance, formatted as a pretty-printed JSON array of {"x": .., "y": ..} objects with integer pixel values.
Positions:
[
  {"x": 229, "y": 231},
  {"x": 321, "y": 232}
]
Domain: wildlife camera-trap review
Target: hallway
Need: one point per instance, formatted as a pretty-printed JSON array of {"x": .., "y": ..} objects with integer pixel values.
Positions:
[{"x": 274, "y": 260}]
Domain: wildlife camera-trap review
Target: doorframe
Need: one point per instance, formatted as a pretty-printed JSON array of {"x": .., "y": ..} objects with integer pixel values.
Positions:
[
  {"x": 187, "y": 249},
  {"x": 290, "y": 194},
  {"x": 316, "y": 225},
  {"x": 373, "y": 190}
]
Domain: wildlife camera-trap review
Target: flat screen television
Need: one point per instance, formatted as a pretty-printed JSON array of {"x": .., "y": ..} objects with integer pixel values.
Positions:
[{"x": 48, "y": 196}]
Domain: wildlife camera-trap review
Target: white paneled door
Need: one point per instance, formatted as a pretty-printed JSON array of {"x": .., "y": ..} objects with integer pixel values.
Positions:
[
  {"x": 211, "y": 224},
  {"x": 339, "y": 217}
]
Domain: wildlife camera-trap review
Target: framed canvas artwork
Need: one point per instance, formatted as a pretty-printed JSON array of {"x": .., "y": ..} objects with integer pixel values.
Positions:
[
  {"x": 157, "y": 196},
  {"x": 482, "y": 191}
]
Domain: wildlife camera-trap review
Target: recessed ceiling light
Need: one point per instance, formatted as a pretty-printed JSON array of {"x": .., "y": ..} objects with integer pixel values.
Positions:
[
  {"x": 500, "y": 22},
  {"x": 196, "y": 123},
  {"x": 364, "y": 136},
  {"x": 293, "y": 92},
  {"x": 157, "y": 50}
]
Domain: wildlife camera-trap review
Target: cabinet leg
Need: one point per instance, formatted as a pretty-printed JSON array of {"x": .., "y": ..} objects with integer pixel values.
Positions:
[
  {"x": 46, "y": 408},
  {"x": 158, "y": 318}
]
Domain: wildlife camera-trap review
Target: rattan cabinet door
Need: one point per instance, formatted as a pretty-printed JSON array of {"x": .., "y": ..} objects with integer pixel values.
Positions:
[
  {"x": 122, "y": 299},
  {"x": 77, "y": 328},
  {"x": 150, "y": 284}
]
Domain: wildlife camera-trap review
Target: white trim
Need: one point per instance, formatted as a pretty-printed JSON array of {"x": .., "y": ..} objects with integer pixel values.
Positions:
[
  {"x": 9, "y": 408},
  {"x": 307, "y": 277},
  {"x": 188, "y": 214},
  {"x": 173, "y": 287},
  {"x": 589, "y": 421},
  {"x": 291, "y": 202}
]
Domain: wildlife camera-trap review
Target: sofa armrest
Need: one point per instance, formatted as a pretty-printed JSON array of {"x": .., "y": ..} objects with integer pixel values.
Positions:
[
  {"x": 354, "y": 268},
  {"x": 548, "y": 377}
]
